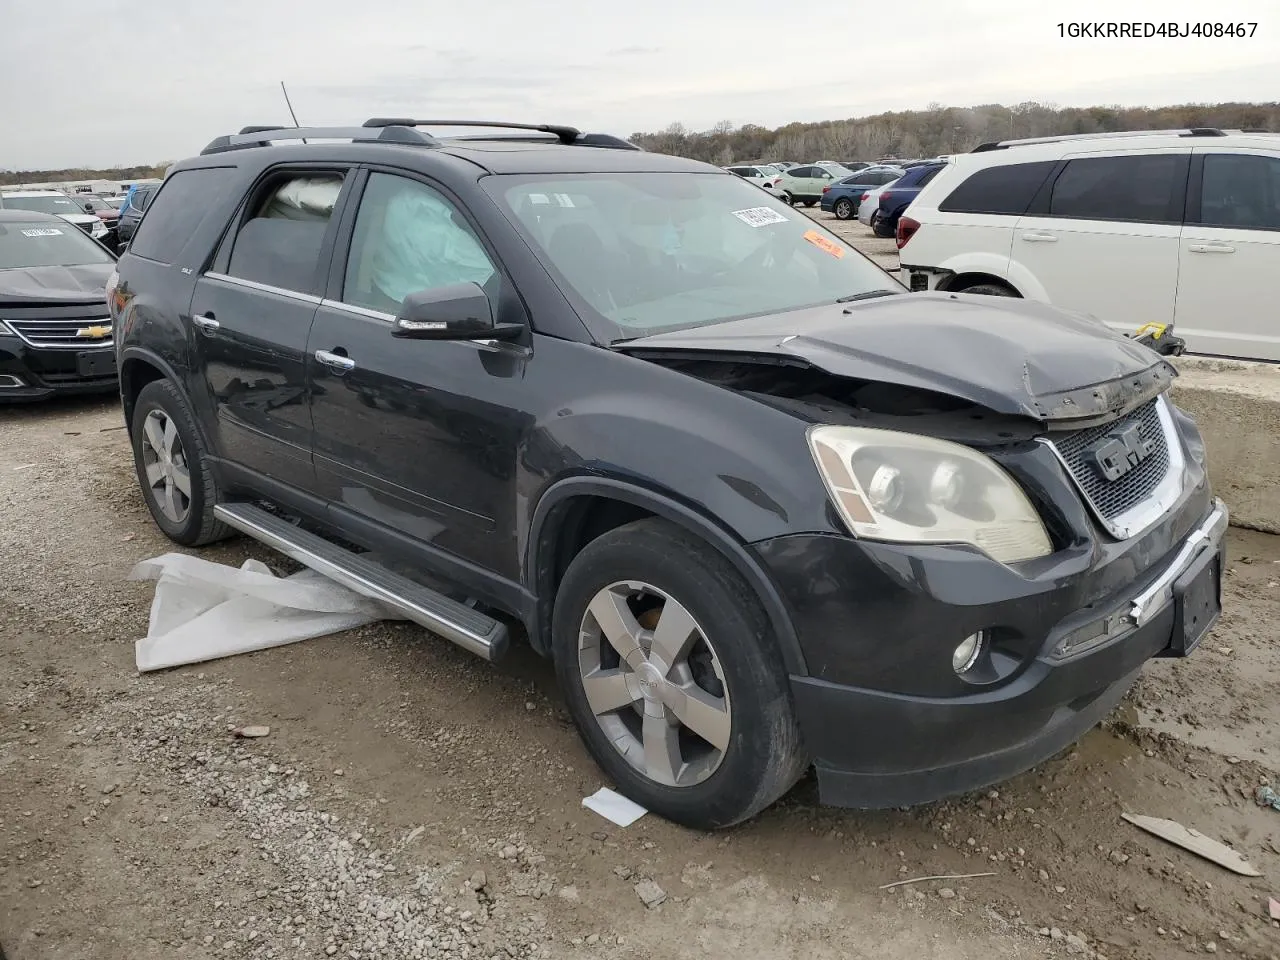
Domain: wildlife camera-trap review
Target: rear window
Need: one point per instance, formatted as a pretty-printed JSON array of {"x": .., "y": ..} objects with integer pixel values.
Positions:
[
  {"x": 177, "y": 211},
  {"x": 1135, "y": 188},
  {"x": 1007, "y": 189},
  {"x": 42, "y": 243}
]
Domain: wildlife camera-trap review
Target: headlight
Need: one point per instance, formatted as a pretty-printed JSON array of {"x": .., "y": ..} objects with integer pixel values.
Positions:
[{"x": 903, "y": 488}]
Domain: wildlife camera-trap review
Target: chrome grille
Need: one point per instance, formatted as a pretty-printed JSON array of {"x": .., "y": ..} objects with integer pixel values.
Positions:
[
  {"x": 59, "y": 332},
  {"x": 1112, "y": 499}
]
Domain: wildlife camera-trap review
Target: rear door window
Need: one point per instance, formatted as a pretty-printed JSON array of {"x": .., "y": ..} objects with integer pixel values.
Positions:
[
  {"x": 180, "y": 208},
  {"x": 1007, "y": 189},
  {"x": 1241, "y": 191},
  {"x": 1139, "y": 188},
  {"x": 280, "y": 243}
]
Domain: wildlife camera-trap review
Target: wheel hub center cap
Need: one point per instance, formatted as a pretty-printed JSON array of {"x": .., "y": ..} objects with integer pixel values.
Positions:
[{"x": 650, "y": 680}]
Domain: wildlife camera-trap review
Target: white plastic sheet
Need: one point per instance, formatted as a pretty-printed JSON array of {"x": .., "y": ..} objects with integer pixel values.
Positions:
[{"x": 204, "y": 610}]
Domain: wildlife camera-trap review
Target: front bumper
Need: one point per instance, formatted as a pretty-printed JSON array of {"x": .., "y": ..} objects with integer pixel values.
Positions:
[
  {"x": 888, "y": 746},
  {"x": 29, "y": 373}
]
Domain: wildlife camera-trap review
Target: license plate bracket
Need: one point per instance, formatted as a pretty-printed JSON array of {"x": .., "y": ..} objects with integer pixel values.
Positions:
[
  {"x": 96, "y": 363},
  {"x": 1197, "y": 603}
]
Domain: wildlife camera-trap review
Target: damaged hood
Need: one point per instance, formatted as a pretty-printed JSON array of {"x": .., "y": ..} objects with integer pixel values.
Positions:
[
  {"x": 86, "y": 283},
  {"x": 1012, "y": 356}
]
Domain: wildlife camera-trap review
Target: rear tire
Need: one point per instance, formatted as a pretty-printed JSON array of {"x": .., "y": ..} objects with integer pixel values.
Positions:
[
  {"x": 714, "y": 661},
  {"x": 843, "y": 209},
  {"x": 990, "y": 290},
  {"x": 810, "y": 203},
  {"x": 172, "y": 464},
  {"x": 881, "y": 227}
]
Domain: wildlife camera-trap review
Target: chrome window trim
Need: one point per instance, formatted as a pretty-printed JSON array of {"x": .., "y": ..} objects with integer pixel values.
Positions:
[
  {"x": 358, "y": 311},
  {"x": 1166, "y": 493},
  {"x": 264, "y": 288},
  {"x": 390, "y": 318}
]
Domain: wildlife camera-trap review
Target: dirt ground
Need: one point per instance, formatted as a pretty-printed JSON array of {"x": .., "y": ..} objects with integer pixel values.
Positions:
[{"x": 412, "y": 801}]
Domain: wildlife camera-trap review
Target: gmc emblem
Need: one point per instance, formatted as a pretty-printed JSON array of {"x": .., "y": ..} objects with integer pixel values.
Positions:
[{"x": 1120, "y": 451}]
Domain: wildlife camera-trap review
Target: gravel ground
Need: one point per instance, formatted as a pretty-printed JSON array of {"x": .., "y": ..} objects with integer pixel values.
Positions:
[{"x": 412, "y": 801}]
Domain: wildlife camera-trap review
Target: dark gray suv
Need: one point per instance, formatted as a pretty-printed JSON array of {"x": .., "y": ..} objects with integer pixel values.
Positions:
[{"x": 766, "y": 510}]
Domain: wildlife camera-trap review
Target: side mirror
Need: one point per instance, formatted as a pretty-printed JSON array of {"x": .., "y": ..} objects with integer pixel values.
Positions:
[{"x": 460, "y": 311}]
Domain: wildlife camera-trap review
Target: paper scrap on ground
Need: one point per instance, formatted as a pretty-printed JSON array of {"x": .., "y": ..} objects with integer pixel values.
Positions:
[
  {"x": 614, "y": 806},
  {"x": 204, "y": 610},
  {"x": 1196, "y": 842}
]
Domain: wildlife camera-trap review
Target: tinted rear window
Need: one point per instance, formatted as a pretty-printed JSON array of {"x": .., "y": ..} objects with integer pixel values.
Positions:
[
  {"x": 1136, "y": 188},
  {"x": 1006, "y": 189},
  {"x": 177, "y": 210},
  {"x": 918, "y": 176}
]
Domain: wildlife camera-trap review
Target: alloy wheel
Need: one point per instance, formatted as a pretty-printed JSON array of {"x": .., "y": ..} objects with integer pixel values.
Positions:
[
  {"x": 654, "y": 683},
  {"x": 165, "y": 465}
]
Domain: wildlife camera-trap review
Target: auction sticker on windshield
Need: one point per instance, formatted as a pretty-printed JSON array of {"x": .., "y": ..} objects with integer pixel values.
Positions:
[
  {"x": 824, "y": 244},
  {"x": 759, "y": 216},
  {"x": 42, "y": 232}
]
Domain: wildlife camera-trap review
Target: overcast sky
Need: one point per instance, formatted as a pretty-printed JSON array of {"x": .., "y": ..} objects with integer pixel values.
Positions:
[{"x": 106, "y": 82}]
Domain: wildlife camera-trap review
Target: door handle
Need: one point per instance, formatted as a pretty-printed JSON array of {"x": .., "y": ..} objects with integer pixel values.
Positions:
[
  {"x": 1211, "y": 248},
  {"x": 335, "y": 362},
  {"x": 1039, "y": 238},
  {"x": 206, "y": 324}
]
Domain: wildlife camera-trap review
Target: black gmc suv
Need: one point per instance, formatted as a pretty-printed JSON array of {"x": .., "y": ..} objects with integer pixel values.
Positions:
[{"x": 764, "y": 508}]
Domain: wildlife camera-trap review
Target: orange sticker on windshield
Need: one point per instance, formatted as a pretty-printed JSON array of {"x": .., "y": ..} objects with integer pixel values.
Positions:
[{"x": 823, "y": 244}]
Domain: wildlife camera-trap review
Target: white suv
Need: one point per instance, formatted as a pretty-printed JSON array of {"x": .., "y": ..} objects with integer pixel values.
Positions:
[{"x": 1175, "y": 227}]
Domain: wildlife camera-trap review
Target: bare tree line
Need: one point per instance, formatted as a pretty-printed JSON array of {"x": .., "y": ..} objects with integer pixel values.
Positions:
[
  {"x": 939, "y": 129},
  {"x": 83, "y": 173}
]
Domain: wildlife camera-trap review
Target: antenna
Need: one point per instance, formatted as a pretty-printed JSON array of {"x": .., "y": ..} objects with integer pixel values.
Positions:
[{"x": 289, "y": 104}]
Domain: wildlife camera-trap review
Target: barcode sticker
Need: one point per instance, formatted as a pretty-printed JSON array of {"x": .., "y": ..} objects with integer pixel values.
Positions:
[
  {"x": 759, "y": 216},
  {"x": 42, "y": 232}
]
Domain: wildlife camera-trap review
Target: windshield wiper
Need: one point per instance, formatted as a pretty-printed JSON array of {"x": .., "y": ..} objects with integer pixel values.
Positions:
[{"x": 866, "y": 295}]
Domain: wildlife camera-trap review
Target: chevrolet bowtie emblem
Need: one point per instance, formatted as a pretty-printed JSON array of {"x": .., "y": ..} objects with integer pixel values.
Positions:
[{"x": 93, "y": 333}]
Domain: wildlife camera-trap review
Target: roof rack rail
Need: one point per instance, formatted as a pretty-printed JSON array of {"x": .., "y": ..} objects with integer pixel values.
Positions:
[
  {"x": 261, "y": 136},
  {"x": 605, "y": 140},
  {"x": 569, "y": 136},
  {"x": 565, "y": 134},
  {"x": 1111, "y": 135}
]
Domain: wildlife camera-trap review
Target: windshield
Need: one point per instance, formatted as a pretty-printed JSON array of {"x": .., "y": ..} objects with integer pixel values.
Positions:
[
  {"x": 60, "y": 205},
  {"x": 643, "y": 253},
  {"x": 44, "y": 243}
]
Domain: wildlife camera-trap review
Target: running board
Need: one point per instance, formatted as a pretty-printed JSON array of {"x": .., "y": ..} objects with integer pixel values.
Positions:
[{"x": 468, "y": 628}]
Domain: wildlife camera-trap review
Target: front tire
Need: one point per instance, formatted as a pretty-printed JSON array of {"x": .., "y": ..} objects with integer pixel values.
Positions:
[
  {"x": 173, "y": 467},
  {"x": 787, "y": 199},
  {"x": 810, "y": 203},
  {"x": 672, "y": 675},
  {"x": 843, "y": 209}
]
